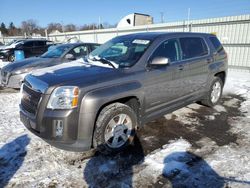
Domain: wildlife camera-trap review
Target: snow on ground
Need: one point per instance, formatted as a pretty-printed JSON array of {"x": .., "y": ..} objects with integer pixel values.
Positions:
[
  {"x": 3, "y": 63},
  {"x": 200, "y": 159}
]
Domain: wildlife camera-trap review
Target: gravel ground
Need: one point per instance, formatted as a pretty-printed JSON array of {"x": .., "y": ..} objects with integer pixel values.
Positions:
[{"x": 195, "y": 146}]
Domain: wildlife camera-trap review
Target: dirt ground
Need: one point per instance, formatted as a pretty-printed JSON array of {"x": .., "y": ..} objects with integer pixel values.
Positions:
[{"x": 195, "y": 146}]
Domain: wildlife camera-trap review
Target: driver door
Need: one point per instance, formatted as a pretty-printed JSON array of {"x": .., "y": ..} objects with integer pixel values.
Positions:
[{"x": 163, "y": 83}]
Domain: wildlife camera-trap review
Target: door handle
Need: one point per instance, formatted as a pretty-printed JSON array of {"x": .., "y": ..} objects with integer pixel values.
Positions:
[{"x": 180, "y": 67}]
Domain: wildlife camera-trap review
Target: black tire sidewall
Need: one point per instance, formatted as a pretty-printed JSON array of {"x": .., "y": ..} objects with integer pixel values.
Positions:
[
  {"x": 102, "y": 122},
  {"x": 10, "y": 58}
]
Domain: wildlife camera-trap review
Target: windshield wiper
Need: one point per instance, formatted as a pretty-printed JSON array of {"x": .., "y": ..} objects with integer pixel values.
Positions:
[{"x": 104, "y": 61}]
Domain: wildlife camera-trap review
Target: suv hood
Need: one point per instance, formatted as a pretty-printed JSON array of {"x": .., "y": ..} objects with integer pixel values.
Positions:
[
  {"x": 73, "y": 73},
  {"x": 29, "y": 63},
  {"x": 9, "y": 47}
]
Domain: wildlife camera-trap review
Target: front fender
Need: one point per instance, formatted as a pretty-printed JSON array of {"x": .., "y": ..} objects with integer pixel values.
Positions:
[{"x": 95, "y": 99}]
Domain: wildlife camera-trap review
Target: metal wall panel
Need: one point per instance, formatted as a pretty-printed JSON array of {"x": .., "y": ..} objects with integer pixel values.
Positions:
[{"x": 233, "y": 32}]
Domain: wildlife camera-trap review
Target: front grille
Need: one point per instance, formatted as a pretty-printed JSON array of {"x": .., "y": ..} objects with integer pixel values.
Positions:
[{"x": 30, "y": 99}]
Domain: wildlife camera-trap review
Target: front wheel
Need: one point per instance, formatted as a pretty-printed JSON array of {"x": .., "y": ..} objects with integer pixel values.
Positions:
[
  {"x": 115, "y": 128},
  {"x": 11, "y": 58},
  {"x": 214, "y": 93}
]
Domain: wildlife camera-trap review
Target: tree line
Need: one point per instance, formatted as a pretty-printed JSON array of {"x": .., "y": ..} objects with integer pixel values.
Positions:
[{"x": 30, "y": 27}]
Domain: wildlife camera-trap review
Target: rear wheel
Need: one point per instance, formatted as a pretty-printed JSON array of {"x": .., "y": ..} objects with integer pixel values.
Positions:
[
  {"x": 115, "y": 128},
  {"x": 214, "y": 93}
]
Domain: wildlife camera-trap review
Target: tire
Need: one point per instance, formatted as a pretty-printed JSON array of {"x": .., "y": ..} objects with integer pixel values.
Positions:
[
  {"x": 115, "y": 128},
  {"x": 214, "y": 94},
  {"x": 11, "y": 58}
]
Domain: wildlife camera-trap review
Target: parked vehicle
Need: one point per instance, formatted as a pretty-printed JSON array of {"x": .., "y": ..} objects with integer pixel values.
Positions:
[
  {"x": 30, "y": 47},
  {"x": 127, "y": 82},
  {"x": 11, "y": 44},
  {"x": 13, "y": 74}
]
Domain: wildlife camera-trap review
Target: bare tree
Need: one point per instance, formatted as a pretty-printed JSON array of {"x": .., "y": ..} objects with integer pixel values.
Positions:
[
  {"x": 54, "y": 26},
  {"x": 29, "y": 26},
  {"x": 13, "y": 30},
  {"x": 70, "y": 27},
  {"x": 88, "y": 27},
  {"x": 108, "y": 25}
]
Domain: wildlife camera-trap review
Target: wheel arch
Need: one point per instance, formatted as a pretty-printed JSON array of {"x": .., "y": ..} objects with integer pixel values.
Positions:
[
  {"x": 93, "y": 102},
  {"x": 222, "y": 76}
]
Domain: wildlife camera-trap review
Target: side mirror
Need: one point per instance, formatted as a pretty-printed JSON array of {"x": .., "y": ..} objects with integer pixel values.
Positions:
[
  {"x": 160, "y": 61},
  {"x": 70, "y": 57}
]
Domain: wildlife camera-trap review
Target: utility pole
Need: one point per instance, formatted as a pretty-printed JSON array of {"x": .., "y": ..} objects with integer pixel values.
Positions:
[
  {"x": 63, "y": 30},
  {"x": 162, "y": 17},
  {"x": 188, "y": 18},
  {"x": 99, "y": 25},
  {"x": 46, "y": 34}
]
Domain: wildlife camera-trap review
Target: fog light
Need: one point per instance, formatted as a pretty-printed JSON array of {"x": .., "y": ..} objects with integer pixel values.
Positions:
[{"x": 59, "y": 127}]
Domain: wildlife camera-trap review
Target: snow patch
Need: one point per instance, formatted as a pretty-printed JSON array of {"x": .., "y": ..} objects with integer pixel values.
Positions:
[
  {"x": 42, "y": 165},
  {"x": 3, "y": 63},
  {"x": 156, "y": 161},
  {"x": 220, "y": 108}
]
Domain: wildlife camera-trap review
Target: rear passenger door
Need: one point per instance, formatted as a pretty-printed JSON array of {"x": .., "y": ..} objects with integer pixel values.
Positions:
[
  {"x": 195, "y": 55},
  {"x": 39, "y": 48}
]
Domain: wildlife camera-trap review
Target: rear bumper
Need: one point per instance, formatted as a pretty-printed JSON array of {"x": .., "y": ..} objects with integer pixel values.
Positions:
[{"x": 46, "y": 127}]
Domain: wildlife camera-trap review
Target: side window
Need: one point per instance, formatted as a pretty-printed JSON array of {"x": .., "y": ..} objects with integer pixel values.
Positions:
[
  {"x": 48, "y": 42},
  {"x": 168, "y": 49},
  {"x": 216, "y": 43},
  {"x": 79, "y": 51},
  {"x": 193, "y": 47},
  {"x": 94, "y": 46},
  {"x": 39, "y": 43},
  {"x": 28, "y": 44}
]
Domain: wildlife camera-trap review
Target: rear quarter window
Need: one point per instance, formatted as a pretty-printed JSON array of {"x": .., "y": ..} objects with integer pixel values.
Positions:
[
  {"x": 193, "y": 47},
  {"x": 39, "y": 43},
  {"x": 49, "y": 43},
  {"x": 94, "y": 46},
  {"x": 28, "y": 44},
  {"x": 216, "y": 43}
]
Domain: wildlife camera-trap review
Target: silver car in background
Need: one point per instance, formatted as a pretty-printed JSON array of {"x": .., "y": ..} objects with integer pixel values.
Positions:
[{"x": 13, "y": 74}]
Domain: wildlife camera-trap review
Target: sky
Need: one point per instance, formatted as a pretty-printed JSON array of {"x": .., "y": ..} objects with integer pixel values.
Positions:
[{"x": 82, "y": 12}]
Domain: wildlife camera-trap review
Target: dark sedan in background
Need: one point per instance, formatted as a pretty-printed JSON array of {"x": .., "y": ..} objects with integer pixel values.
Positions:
[
  {"x": 30, "y": 47},
  {"x": 13, "y": 74}
]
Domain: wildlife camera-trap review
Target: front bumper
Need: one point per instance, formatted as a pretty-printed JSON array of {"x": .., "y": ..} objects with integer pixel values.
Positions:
[
  {"x": 13, "y": 81},
  {"x": 45, "y": 126},
  {"x": 3, "y": 56}
]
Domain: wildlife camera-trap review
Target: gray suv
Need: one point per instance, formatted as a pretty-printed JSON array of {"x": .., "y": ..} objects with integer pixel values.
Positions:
[{"x": 123, "y": 84}]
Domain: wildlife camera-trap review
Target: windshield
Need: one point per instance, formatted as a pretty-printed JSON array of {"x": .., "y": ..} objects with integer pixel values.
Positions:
[
  {"x": 56, "y": 52},
  {"x": 11, "y": 42},
  {"x": 123, "y": 52}
]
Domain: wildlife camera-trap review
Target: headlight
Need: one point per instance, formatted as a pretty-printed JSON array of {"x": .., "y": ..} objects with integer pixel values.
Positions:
[
  {"x": 5, "y": 51},
  {"x": 65, "y": 97},
  {"x": 23, "y": 71}
]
